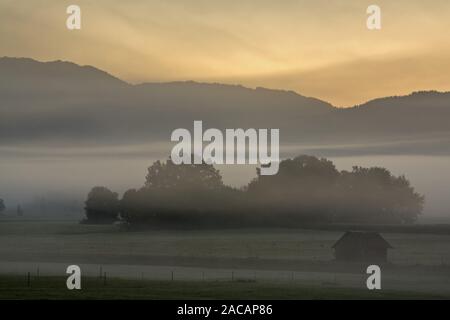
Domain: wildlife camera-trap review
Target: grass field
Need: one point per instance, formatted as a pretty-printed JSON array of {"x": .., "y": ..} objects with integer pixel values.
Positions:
[
  {"x": 264, "y": 262},
  {"x": 15, "y": 287},
  {"x": 34, "y": 237}
]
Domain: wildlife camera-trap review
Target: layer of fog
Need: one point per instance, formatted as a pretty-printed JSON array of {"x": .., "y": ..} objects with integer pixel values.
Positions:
[{"x": 32, "y": 180}]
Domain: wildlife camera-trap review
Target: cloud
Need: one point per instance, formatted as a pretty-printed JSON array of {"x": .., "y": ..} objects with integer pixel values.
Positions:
[{"x": 356, "y": 81}]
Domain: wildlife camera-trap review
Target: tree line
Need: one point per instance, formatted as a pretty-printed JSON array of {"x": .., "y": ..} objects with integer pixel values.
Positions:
[{"x": 306, "y": 189}]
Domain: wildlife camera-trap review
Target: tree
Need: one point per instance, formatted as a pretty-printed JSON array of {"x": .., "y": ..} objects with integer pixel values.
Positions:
[
  {"x": 310, "y": 189},
  {"x": 101, "y": 206},
  {"x": 19, "y": 210},
  {"x": 169, "y": 176},
  {"x": 303, "y": 190},
  {"x": 375, "y": 195},
  {"x": 2, "y": 206},
  {"x": 177, "y": 195},
  {"x": 182, "y": 188}
]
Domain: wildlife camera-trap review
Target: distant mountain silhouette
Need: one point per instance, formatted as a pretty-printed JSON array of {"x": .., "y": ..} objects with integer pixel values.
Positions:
[{"x": 60, "y": 102}]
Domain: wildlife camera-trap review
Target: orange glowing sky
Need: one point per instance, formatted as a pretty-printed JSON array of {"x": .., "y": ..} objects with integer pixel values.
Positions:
[{"x": 317, "y": 48}]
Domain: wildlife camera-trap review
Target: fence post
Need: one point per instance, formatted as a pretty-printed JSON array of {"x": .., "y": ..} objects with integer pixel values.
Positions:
[{"x": 28, "y": 280}]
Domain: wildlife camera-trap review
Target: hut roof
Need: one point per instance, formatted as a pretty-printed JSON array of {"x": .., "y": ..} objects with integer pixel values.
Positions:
[{"x": 361, "y": 238}]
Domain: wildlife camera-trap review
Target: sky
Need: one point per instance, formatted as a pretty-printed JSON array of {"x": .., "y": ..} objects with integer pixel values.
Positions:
[{"x": 319, "y": 48}]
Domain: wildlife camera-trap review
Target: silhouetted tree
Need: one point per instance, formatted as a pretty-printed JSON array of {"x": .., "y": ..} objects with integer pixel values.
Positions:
[
  {"x": 303, "y": 190},
  {"x": 169, "y": 176},
  {"x": 19, "y": 210},
  {"x": 312, "y": 190},
  {"x": 101, "y": 206},
  {"x": 181, "y": 195},
  {"x": 375, "y": 195},
  {"x": 2, "y": 206}
]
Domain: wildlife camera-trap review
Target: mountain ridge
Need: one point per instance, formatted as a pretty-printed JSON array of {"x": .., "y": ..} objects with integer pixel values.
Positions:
[
  {"x": 60, "y": 100},
  {"x": 212, "y": 84}
]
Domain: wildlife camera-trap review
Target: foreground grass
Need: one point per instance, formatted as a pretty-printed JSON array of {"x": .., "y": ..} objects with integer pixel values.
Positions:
[{"x": 15, "y": 287}]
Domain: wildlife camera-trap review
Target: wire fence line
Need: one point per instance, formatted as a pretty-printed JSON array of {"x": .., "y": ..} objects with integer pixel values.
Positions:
[
  {"x": 175, "y": 273},
  {"x": 35, "y": 275}
]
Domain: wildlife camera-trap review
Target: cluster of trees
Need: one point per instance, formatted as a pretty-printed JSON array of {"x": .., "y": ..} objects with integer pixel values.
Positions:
[{"x": 305, "y": 190}]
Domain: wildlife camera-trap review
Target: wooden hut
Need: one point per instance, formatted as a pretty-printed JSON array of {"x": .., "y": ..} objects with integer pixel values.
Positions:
[{"x": 362, "y": 246}]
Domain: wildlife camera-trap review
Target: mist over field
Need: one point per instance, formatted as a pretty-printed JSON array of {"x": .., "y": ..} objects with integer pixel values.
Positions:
[
  {"x": 27, "y": 181},
  {"x": 66, "y": 128}
]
